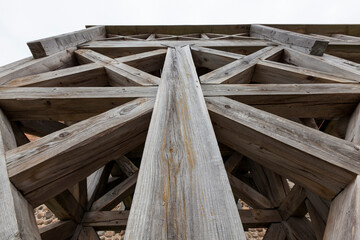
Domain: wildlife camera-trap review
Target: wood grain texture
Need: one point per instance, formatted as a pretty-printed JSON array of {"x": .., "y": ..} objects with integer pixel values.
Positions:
[
  {"x": 182, "y": 189},
  {"x": 58, "y": 159},
  {"x": 48, "y": 46},
  {"x": 69, "y": 104},
  {"x": 294, "y": 203},
  {"x": 322, "y": 163},
  {"x": 305, "y": 43},
  {"x": 88, "y": 233},
  {"x": 275, "y": 232},
  {"x": 298, "y": 229},
  {"x": 17, "y": 219},
  {"x": 56, "y": 61}
]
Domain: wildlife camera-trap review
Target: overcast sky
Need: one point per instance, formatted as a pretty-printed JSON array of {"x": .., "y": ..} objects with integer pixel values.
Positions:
[{"x": 23, "y": 21}]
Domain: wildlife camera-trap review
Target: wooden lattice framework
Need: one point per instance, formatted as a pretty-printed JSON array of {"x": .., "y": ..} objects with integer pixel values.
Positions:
[{"x": 277, "y": 104}]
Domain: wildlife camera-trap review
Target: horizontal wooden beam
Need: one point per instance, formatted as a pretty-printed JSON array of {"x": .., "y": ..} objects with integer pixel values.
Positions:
[
  {"x": 298, "y": 41},
  {"x": 323, "y": 168},
  {"x": 46, "y": 167},
  {"x": 310, "y": 100},
  {"x": 48, "y": 46},
  {"x": 115, "y": 220}
]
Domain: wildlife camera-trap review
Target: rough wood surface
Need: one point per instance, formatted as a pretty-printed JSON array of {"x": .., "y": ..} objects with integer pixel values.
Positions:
[
  {"x": 301, "y": 42},
  {"x": 275, "y": 232},
  {"x": 61, "y": 230},
  {"x": 294, "y": 203},
  {"x": 322, "y": 163},
  {"x": 17, "y": 219},
  {"x": 48, "y": 46},
  {"x": 88, "y": 233},
  {"x": 182, "y": 179},
  {"x": 46, "y": 167}
]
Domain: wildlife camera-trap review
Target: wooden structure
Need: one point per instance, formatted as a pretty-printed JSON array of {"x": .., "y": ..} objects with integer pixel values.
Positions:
[{"x": 179, "y": 123}]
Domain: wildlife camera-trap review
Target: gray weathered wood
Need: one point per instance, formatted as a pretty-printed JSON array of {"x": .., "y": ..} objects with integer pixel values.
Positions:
[
  {"x": 48, "y": 46},
  {"x": 17, "y": 219},
  {"x": 323, "y": 168},
  {"x": 46, "y": 167},
  {"x": 182, "y": 179},
  {"x": 301, "y": 42}
]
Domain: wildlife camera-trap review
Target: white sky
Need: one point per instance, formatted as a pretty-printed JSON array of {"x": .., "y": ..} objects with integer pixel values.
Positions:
[{"x": 23, "y": 21}]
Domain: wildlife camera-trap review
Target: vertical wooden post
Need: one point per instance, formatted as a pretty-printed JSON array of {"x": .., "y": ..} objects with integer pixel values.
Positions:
[
  {"x": 182, "y": 190},
  {"x": 344, "y": 216},
  {"x": 17, "y": 219}
]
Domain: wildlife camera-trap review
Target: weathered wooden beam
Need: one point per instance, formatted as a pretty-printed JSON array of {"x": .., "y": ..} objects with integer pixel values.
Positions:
[
  {"x": 274, "y": 72},
  {"x": 324, "y": 64},
  {"x": 113, "y": 197},
  {"x": 305, "y": 43},
  {"x": 344, "y": 216},
  {"x": 324, "y": 169},
  {"x": 120, "y": 74},
  {"x": 56, "y": 61},
  {"x": 182, "y": 179},
  {"x": 233, "y": 162},
  {"x": 61, "y": 230},
  {"x": 311, "y": 100},
  {"x": 294, "y": 203},
  {"x": 66, "y": 103},
  {"x": 239, "y": 71},
  {"x": 89, "y": 75},
  {"x": 124, "y": 48},
  {"x": 48, "y": 46},
  {"x": 46, "y": 167},
  {"x": 256, "y": 218},
  {"x": 17, "y": 219}
]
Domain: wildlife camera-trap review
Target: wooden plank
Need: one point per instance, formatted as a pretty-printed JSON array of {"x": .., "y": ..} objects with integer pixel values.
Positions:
[
  {"x": 120, "y": 74},
  {"x": 249, "y": 195},
  {"x": 56, "y": 161},
  {"x": 182, "y": 179},
  {"x": 323, "y": 168},
  {"x": 61, "y": 230},
  {"x": 343, "y": 221},
  {"x": 293, "y": 204},
  {"x": 323, "y": 64},
  {"x": 56, "y": 61},
  {"x": 304, "y": 43},
  {"x": 233, "y": 162},
  {"x": 126, "y": 166},
  {"x": 17, "y": 219},
  {"x": 293, "y": 100},
  {"x": 279, "y": 73},
  {"x": 65, "y": 207},
  {"x": 88, "y": 233},
  {"x": 112, "y": 198},
  {"x": 275, "y": 232},
  {"x": 89, "y": 75},
  {"x": 48, "y": 46},
  {"x": 124, "y": 48},
  {"x": 321, "y": 205},
  {"x": 116, "y": 220},
  {"x": 239, "y": 71},
  {"x": 66, "y": 103},
  {"x": 298, "y": 229}
]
